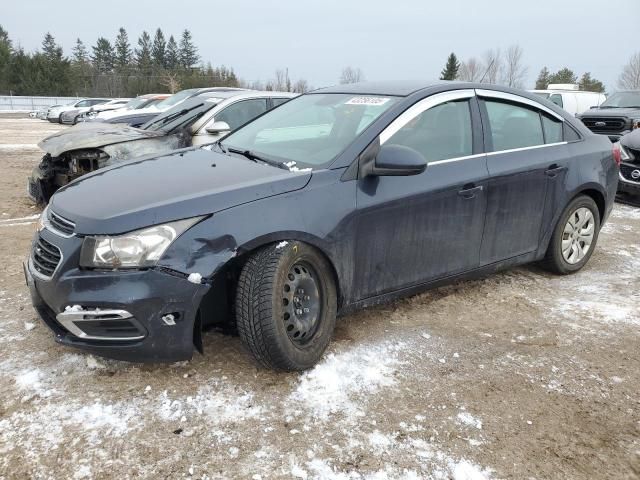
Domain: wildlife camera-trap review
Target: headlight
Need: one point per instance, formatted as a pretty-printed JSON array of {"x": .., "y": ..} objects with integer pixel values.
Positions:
[
  {"x": 625, "y": 155},
  {"x": 138, "y": 249},
  {"x": 41, "y": 223}
]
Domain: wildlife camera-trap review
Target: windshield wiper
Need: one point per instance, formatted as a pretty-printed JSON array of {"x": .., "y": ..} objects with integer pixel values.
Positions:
[
  {"x": 164, "y": 120},
  {"x": 255, "y": 157}
]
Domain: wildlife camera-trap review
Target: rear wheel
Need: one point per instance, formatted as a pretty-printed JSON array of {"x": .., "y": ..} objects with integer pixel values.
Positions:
[
  {"x": 286, "y": 305},
  {"x": 574, "y": 237}
]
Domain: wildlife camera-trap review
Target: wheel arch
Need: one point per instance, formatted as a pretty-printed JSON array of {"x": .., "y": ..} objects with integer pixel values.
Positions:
[{"x": 255, "y": 244}]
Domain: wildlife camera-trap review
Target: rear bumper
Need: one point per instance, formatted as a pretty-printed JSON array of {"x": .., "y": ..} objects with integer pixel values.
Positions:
[{"x": 119, "y": 314}]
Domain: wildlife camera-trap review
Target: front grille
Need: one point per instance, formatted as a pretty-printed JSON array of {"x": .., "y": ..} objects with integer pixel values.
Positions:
[
  {"x": 626, "y": 171},
  {"x": 45, "y": 257},
  {"x": 605, "y": 124},
  {"x": 61, "y": 224}
]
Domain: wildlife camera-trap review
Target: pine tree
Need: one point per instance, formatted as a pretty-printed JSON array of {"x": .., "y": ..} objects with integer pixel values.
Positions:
[
  {"x": 590, "y": 84},
  {"x": 564, "y": 75},
  {"x": 80, "y": 54},
  {"x": 123, "y": 52},
  {"x": 103, "y": 57},
  {"x": 188, "y": 51},
  {"x": 450, "y": 71},
  {"x": 143, "y": 53},
  {"x": 158, "y": 50},
  {"x": 543, "y": 79},
  {"x": 6, "y": 52},
  {"x": 50, "y": 49},
  {"x": 172, "y": 54}
]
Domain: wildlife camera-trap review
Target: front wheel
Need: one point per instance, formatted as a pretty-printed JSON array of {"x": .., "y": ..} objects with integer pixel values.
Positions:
[
  {"x": 574, "y": 237},
  {"x": 286, "y": 305}
]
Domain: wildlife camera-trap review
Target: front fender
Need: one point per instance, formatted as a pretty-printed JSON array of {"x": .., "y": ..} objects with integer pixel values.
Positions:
[{"x": 321, "y": 214}]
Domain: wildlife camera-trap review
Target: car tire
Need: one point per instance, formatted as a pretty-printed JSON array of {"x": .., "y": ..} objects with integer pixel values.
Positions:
[
  {"x": 286, "y": 305},
  {"x": 570, "y": 234}
]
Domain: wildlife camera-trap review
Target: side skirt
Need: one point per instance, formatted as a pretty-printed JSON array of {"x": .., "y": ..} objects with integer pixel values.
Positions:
[{"x": 474, "y": 274}]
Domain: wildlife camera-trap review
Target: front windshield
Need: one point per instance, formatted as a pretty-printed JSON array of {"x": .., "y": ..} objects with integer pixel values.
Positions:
[
  {"x": 310, "y": 130},
  {"x": 136, "y": 103},
  {"x": 175, "y": 99},
  {"x": 622, "y": 100},
  {"x": 182, "y": 115}
]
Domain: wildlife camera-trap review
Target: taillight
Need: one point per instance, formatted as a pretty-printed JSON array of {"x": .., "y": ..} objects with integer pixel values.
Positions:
[{"x": 617, "y": 154}]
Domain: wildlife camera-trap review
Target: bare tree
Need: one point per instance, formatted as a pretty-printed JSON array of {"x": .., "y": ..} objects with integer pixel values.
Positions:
[
  {"x": 171, "y": 81},
  {"x": 470, "y": 71},
  {"x": 514, "y": 71},
  {"x": 281, "y": 82},
  {"x": 492, "y": 66},
  {"x": 301, "y": 86},
  {"x": 351, "y": 75},
  {"x": 630, "y": 77}
]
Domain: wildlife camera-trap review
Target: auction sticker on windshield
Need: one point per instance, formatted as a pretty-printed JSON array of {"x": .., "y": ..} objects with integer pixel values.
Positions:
[{"x": 367, "y": 101}]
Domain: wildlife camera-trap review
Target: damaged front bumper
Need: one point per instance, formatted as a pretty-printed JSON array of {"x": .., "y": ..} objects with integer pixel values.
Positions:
[{"x": 137, "y": 315}]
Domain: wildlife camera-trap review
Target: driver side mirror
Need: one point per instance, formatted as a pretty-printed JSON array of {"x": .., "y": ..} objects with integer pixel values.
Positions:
[
  {"x": 394, "y": 160},
  {"x": 217, "y": 128}
]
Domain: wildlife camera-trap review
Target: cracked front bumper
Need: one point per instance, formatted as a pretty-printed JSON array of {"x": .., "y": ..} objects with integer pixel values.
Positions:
[{"x": 119, "y": 314}]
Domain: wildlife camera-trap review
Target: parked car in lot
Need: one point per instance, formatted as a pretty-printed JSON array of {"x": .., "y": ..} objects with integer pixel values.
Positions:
[
  {"x": 70, "y": 117},
  {"x": 138, "y": 103},
  {"x": 338, "y": 199},
  {"x": 53, "y": 113},
  {"x": 152, "y": 111},
  {"x": 629, "y": 151},
  {"x": 619, "y": 115},
  {"x": 90, "y": 146},
  {"x": 571, "y": 98}
]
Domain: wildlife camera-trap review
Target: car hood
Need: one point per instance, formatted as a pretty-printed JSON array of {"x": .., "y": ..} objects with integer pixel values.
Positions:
[
  {"x": 93, "y": 135},
  {"x": 183, "y": 184},
  {"x": 612, "y": 112},
  {"x": 632, "y": 140}
]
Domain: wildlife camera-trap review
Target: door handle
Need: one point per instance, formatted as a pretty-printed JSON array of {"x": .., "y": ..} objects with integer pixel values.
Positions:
[
  {"x": 469, "y": 191},
  {"x": 554, "y": 170}
]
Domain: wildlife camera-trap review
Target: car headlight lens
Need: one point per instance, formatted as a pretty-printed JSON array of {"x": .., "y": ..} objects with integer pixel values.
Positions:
[
  {"x": 624, "y": 153},
  {"x": 41, "y": 223},
  {"x": 137, "y": 249}
]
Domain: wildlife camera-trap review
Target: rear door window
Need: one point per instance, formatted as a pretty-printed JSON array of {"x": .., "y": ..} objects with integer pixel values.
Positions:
[
  {"x": 552, "y": 129},
  {"x": 513, "y": 126}
]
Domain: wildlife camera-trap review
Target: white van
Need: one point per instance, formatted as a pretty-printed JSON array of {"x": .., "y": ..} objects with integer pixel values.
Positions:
[{"x": 569, "y": 97}]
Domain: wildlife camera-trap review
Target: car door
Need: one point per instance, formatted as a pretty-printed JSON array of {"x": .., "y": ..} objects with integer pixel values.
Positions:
[
  {"x": 521, "y": 168},
  {"x": 413, "y": 229},
  {"x": 234, "y": 115}
]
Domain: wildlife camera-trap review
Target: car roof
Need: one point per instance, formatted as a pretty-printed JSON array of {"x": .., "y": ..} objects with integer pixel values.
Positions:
[{"x": 397, "y": 88}]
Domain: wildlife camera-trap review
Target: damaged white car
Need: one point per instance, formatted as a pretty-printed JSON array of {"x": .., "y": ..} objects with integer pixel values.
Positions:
[{"x": 90, "y": 146}]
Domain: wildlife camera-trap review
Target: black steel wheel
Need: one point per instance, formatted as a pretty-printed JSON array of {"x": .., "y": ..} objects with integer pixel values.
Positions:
[{"x": 286, "y": 305}]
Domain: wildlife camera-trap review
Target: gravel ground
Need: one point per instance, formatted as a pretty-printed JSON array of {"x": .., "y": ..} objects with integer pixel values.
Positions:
[{"x": 522, "y": 375}]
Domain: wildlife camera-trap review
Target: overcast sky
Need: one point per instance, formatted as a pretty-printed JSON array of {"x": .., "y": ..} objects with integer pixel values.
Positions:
[{"x": 402, "y": 39}]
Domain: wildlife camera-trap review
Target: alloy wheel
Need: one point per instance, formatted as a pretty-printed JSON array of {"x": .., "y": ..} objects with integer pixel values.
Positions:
[{"x": 577, "y": 236}]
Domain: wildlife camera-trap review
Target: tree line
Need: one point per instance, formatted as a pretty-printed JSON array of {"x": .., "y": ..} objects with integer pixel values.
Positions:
[
  {"x": 108, "y": 69},
  {"x": 507, "y": 68}
]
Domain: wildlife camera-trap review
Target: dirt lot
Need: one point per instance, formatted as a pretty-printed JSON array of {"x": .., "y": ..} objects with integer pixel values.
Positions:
[{"x": 523, "y": 375}]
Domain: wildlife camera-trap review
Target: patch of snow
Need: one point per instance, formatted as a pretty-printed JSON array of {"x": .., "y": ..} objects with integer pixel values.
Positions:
[
  {"x": 464, "y": 470},
  {"x": 29, "y": 326},
  {"x": 282, "y": 245},
  {"x": 467, "y": 419},
  {"x": 195, "y": 278},
  {"x": 74, "y": 308},
  {"x": 333, "y": 385},
  {"x": 13, "y": 147}
]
